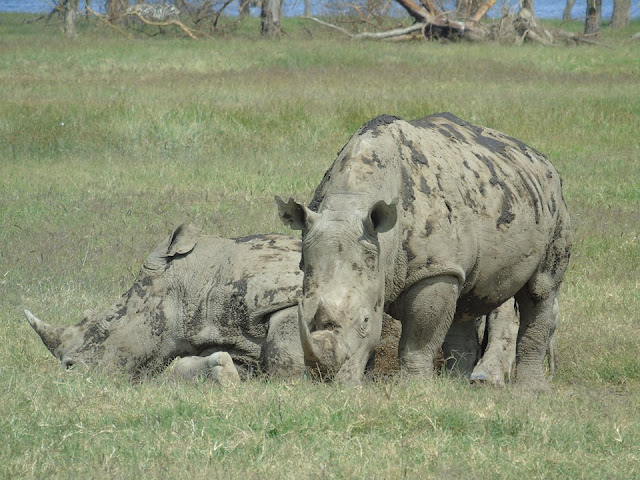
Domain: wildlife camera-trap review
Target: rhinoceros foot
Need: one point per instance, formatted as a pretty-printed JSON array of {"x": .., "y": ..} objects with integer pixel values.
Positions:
[
  {"x": 218, "y": 366},
  {"x": 481, "y": 376},
  {"x": 222, "y": 369}
]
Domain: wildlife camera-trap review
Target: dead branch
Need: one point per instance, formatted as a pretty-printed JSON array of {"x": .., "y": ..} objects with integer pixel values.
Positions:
[
  {"x": 430, "y": 6},
  {"x": 184, "y": 28},
  {"x": 215, "y": 22},
  {"x": 398, "y": 32},
  {"x": 330, "y": 25},
  {"x": 418, "y": 12},
  {"x": 482, "y": 11},
  {"x": 109, "y": 24}
]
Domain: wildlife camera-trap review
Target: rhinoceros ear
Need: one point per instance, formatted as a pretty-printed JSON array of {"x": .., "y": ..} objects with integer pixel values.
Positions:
[
  {"x": 293, "y": 214},
  {"x": 50, "y": 335},
  {"x": 183, "y": 240},
  {"x": 382, "y": 216}
]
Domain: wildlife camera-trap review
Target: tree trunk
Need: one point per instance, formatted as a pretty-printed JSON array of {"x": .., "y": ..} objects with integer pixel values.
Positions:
[
  {"x": 621, "y": 12},
  {"x": 116, "y": 9},
  {"x": 70, "y": 10},
  {"x": 484, "y": 8},
  {"x": 527, "y": 5},
  {"x": 307, "y": 8},
  {"x": 244, "y": 8},
  {"x": 566, "y": 15},
  {"x": 592, "y": 22},
  {"x": 466, "y": 8},
  {"x": 270, "y": 17},
  {"x": 431, "y": 7},
  {"x": 418, "y": 12}
]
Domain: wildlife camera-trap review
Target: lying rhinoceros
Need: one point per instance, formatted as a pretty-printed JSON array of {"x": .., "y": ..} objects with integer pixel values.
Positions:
[
  {"x": 218, "y": 303},
  {"x": 435, "y": 221},
  {"x": 196, "y": 295}
]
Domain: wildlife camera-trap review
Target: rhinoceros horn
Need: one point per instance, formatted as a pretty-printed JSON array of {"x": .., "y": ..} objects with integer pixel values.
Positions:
[
  {"x": 49, "y": 334},
  {"x": 320, "y": 348},
  {"x": 308, "y": 345}
]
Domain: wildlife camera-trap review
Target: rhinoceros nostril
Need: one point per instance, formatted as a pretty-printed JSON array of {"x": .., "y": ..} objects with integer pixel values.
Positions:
[
  {"x": 324, "y": 324},
  {"x": 67, "y": 363},
  {"x": 325, "y": 318}
]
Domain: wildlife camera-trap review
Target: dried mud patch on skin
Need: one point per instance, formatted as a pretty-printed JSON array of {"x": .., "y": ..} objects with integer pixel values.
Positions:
[{"x": 374, "y": 124}]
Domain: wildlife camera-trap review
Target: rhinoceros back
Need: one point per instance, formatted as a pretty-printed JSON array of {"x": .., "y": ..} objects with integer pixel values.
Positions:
[{"x": 471, "y": 200}]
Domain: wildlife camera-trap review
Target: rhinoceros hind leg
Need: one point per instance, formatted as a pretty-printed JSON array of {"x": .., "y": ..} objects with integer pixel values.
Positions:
[
  {"x": 537, "y": 323},
  {"x": 552, "y": 352}
]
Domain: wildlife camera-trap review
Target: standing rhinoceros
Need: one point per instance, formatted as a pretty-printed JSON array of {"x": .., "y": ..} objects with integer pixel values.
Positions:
[{"x": 437, "y": 222}]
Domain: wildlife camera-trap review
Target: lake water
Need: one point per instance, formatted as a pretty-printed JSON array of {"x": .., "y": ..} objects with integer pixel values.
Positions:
[{"x": 544, "y": 8}]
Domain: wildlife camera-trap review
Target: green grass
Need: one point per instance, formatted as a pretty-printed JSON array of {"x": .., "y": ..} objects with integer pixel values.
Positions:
[{"x": 166, "y": 130}]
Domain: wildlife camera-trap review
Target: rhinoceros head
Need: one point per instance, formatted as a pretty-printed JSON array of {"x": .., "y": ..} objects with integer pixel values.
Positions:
[
  {"x": 138, "y": 334},
  {"x": 340, "y": 315}
]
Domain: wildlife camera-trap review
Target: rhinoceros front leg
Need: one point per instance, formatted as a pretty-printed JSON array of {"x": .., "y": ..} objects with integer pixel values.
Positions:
[
  {"x": 218, "y": 366},
  {"x": 426, "y": 311}
]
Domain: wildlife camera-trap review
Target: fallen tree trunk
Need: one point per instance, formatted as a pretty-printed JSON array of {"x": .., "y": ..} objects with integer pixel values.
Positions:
[
  {"x": 434, "y": 26},
  {"x": 399, "y": 32},
  {"x": 509, "y": 29}
]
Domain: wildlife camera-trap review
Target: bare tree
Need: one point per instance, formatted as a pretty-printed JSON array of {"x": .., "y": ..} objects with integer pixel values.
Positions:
[
  {"x": 621, "y": 13},
  {"x": 270, "y": 16},
  {"x": 244, "y": 8},
  {"x": 466, "y": 8},
  {"x": 116, "y": 9},
  {"x": 527, "y": 5},
  {"x": 70, "y": 9},
  {"x": 566, "y": 15},
  {"x": 594, "y": 13}
]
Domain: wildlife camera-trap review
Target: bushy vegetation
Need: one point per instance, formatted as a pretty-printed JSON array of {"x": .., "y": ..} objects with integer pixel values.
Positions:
[{"x": 106, "y": 144}]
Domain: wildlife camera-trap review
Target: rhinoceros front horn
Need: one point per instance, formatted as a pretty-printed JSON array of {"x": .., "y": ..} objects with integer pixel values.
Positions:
[
  {"x": 309, "y": 347},
  {"x": 49, "y": 334},
  {"x": 322, "y": 350}
]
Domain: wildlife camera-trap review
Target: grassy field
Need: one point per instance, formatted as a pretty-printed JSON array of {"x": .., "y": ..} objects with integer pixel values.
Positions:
[{"x": 106, "y": 144}]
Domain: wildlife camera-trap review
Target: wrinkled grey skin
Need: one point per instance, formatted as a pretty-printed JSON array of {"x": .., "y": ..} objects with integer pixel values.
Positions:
[
  {"x": 196, "y": 295},
  {"x": 497, "y": 338},
  {"x": 436, "y": 222}
]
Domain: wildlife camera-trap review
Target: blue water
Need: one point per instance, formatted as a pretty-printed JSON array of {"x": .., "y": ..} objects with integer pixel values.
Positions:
[{"x": 544, "y": 8}]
